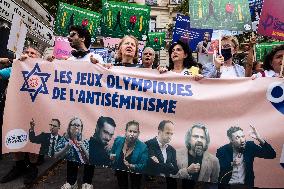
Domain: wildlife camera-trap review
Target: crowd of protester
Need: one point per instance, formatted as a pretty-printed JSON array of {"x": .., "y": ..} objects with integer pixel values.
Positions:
[{"x": 181, "y": 61}]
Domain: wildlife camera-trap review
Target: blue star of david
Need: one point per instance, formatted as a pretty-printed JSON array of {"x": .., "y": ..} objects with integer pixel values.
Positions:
[{"x": 35, "y": 91}]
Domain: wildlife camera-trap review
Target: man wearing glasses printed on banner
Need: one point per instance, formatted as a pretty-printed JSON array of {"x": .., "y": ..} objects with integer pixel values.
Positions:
[{"x": 48, "y": 141}]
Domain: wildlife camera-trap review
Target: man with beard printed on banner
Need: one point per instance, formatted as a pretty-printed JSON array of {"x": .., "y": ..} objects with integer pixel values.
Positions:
[
  {"x": 195, "y": 163},
  {"x": 236, "y": 158},
  {"x": 99, "y": 153}
]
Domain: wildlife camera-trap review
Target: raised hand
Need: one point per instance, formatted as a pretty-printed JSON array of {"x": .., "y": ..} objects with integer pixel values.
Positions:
[
  {"x": 32, "y": 124},
  {"x": 255, "y": 135}
]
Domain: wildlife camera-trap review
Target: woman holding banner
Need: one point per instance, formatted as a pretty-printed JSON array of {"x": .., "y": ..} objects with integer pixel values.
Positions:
[
  {"x": 181, "y": 61},
  {"x": 273, "y": 63},
  {"x": 74, "y": 150},
  {"x": 127, "y": 54}
]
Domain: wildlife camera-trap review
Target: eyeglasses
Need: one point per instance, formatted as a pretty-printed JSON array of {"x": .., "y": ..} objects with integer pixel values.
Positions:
[
  {"x": 148, "y": 53},
  {"x": 53, "y": 125},
  {"x": 72, "y": 34}
]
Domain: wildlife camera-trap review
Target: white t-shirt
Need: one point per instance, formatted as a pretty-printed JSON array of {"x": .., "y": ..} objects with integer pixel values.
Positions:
[
  {"x": 87, "y": 58},
  {"x": 228, "y": 72}
]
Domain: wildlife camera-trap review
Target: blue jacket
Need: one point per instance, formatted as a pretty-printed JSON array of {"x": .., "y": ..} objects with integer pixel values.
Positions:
[
  {"x": 139, "y": 156},
  {"x": 225, "y": 156},
  {"x": 209, "y": 70},
  {"x": 5, "y": 73}
]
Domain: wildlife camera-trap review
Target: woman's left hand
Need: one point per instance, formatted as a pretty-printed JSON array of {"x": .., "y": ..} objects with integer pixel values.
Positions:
[
  {"x": 93, "y": 60},
  {"x": 197, "y": 77}
]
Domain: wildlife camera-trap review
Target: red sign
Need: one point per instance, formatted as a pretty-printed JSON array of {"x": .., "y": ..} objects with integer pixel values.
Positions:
[{"x": 271, "y": 21}]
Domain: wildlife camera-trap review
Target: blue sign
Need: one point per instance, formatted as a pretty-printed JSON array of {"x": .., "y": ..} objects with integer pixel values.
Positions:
[
  {"x": 183, "y": 31},
  {"x": 255, "y": 7}
]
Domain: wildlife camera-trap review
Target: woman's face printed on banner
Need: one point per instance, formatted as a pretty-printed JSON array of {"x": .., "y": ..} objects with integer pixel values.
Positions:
[
  {"x": 178, "y": 54},
  {"x": 132, "y": 133},
  {"x": 128, "y": 47},
  {"x": 277, "y": 61},
  {"x": 76, "y": 127}
]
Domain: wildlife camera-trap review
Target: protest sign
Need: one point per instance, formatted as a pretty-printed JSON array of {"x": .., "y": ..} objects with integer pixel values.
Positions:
[
  {"x": 156, "y": 40},
  {"x": 120, "y": 19},
  {"x": 39, "y": 92},
  {"x": 220, "y": 14},
  {"x": 183, "y": 30},
  {"x": 262, "y": 49},
  {"x": 62, "y": 48},
  {"x": 17, "y": 35},
  {"x": 68, "y": 15},
  {"x": 255, "y": 7},
  {"x": 271, "y": 21}
]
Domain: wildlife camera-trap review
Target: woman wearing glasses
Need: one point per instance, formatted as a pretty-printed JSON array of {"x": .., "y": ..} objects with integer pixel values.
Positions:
[{"x": 74, "y": 150}]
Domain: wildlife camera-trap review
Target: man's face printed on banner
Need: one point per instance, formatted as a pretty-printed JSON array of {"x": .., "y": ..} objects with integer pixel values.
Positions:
[
  {"x": 132, "y": 133},
  {"x": 238, "y": 140},
  {"x": 106, "y": 133},
  {"x": 198, "y": 141},
  {"x": 54, "y": 127},
  {"x": 166, "y": 135}
]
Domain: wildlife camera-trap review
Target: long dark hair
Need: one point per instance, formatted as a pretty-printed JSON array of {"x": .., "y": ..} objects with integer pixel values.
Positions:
[
  {"x": 267, "y": 65},
  {"x": 188, "y": 62}
]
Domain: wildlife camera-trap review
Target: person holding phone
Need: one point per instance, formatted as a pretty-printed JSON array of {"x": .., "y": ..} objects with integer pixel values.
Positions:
[{"x": 73, "y": 149}]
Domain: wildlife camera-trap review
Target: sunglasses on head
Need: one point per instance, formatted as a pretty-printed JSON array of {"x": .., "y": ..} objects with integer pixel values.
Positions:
[{"x": 72, "y": 34}]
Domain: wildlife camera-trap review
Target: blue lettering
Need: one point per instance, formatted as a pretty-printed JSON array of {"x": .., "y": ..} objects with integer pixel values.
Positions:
[{"x": 110, "y": 81}]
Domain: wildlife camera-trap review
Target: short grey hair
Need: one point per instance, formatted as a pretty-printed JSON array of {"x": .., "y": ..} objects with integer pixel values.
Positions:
[
  {"x": 189, "y": 134},
  {"x": 151, "y": 49}
]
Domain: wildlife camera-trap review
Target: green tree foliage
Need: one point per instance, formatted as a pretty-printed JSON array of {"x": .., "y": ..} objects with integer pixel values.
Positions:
[
  {"x": 92, "y": 5},
  {"x": 183, "y": 7}
]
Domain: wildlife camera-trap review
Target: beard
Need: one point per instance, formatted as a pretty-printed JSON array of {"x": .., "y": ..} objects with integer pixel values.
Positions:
[{"x": 198, "y": 149}]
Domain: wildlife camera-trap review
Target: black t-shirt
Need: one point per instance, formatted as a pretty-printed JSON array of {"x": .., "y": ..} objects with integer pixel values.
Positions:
[
  {"x": 192, "y": 159},
  {"x": 128, "y": 65}
]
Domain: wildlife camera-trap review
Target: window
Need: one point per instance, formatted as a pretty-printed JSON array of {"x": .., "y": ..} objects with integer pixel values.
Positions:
[
  {"x": 175, "y": 2},
  {"x": 153, "y": 26}
]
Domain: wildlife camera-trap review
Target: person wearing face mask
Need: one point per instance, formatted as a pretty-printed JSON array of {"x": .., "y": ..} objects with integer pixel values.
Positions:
[
  {"x": 129, "y": 156},
  {"x": 224, "y": 66},
  {"x": 236, "y": 158},
  {"x": 272, "y": 63}
]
